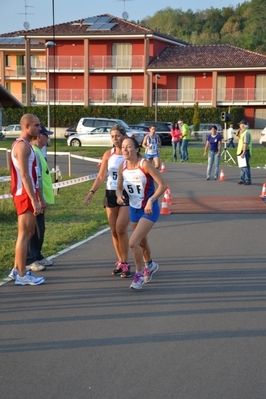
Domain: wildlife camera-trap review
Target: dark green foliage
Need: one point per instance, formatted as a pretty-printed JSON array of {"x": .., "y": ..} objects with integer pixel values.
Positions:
[
  {"x": 242, "y": 26},
  {"x": 63, "y": 116}
]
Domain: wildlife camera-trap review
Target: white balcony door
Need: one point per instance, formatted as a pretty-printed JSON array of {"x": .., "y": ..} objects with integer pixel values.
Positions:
[
  {"x": 221, "y": 88},
  {"x": 261, "y": 87},
  {"x": 186, "y": 88},
  {"x": 122, "y": 55},
  {"x": 122, "y": 88}
]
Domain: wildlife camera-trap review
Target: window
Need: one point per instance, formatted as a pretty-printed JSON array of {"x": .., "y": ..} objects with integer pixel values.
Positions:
[
  {"x": 186, "y": 88},
  {"x": 122, "y": 88},
  {"x": 122, "y": 55},
  {"x": 7, "y": 60}
]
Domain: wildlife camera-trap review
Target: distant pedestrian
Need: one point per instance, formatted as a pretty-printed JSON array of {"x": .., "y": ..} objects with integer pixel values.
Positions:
[
  {"x": 244, "y": 151},
  {"x": 185, "y": 134},
  {"x": 213, "y": 144},
  {"x": 137, "y": 177},
  {"x": 176, "y": 137},
  {"x": 152, "y": 145},
  {"x": 230, "y": 136}
]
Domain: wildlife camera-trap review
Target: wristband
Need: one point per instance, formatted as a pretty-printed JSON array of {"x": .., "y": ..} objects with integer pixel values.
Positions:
[{"x": 92, "y": 191}]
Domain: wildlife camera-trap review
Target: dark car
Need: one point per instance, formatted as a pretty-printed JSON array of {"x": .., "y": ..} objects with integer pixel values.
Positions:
[
  {"x": 70, "y": 130},
  {"x": 163, "y": 129}
]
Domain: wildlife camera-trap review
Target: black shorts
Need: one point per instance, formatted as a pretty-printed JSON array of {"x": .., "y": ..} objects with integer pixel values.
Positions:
[{"x": 110, "y": 199}]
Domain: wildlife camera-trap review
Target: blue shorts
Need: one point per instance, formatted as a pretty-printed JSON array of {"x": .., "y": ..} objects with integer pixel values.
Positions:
[
  {"x": 137, "y": 214},
  {"x": 151, "y": 156}
]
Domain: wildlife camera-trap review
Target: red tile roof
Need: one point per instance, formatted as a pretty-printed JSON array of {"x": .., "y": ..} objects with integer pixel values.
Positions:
[{"x": 210, "y": 56}]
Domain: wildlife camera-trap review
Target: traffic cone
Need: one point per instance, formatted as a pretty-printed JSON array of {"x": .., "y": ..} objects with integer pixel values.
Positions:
[
  {"x": 163, "y": 169},
  {"x": 263, "y": 193},
  {"x": 164, "y": 208},
  {"x": 222, "y": 176},
  {"x": 169, "y": 192},
  {"x": 167, "y": 197}
]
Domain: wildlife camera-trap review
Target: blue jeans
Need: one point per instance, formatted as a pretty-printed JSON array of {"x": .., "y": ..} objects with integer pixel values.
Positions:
[
  {"x": 245, "y": 175},
  {"x": 213, "y": 158},
  {"x": 174, "y": 146},
  {"x": 184, "y": 150}
]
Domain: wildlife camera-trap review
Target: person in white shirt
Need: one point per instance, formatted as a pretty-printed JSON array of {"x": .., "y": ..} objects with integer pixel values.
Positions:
[{"x": 230, "y": 136}]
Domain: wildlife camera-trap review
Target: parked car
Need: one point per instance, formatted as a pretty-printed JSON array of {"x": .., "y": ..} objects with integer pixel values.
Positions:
[
  {"x": 263, "y": 137},
  {"x": 100, "y": 137},
  {"x": 70, "y": 130},
  {"x": 12, "y": 131},
  {"x": 163, "y": 129},
  {"x": 204, "y": 129},
  {"x": 87, "y": 124}
]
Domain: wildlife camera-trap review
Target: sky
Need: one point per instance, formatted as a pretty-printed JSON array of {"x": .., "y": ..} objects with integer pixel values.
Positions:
[{"x": 39, "y": 13}]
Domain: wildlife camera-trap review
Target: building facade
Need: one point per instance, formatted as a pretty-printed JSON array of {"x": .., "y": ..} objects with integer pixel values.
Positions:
[{"x": 105, "y": 60}]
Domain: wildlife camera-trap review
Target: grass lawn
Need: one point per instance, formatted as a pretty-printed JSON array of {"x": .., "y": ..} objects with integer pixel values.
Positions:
[{"x": 67, "y": 223}]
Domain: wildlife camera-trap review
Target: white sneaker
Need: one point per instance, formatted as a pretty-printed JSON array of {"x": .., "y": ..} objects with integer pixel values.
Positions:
[
  {"x": 13, "y": 273},
  {"x": 148, "y": 272},
  {"x": 46, "y": 262},
  {"x": 35, "y": 267},
  {"x": 137, "y": 282},
  {"x": 29, "y": 279}
]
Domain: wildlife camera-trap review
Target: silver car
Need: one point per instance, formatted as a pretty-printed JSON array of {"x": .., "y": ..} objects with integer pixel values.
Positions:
[
  {"x": 100, "y": 137},
  {"x": 12, "y": 131}
]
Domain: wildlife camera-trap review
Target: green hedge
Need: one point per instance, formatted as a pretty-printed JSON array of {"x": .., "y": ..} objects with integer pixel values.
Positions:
[{"x": 63, "y": 115}]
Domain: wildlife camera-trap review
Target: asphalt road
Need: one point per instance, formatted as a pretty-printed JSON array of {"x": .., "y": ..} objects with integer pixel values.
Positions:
[{"x": 196, "y": 331}]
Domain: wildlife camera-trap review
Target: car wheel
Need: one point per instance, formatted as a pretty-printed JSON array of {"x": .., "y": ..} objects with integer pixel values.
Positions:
[{"x": 75, "y": 143}]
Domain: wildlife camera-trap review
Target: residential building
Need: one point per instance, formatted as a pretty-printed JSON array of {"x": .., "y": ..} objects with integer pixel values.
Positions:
[{"x": 105, "y": 60}]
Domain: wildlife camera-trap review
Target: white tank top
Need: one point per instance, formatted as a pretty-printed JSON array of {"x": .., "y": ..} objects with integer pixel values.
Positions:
[
  {"x": 113, "y": 164},
  {"x": 138, "y": 184}
]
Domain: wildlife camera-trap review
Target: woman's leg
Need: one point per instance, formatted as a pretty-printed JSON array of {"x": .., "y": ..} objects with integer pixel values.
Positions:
[
  {"x": 138, "y": 242},
  {"x": 122, "y": 223},
  {"x": 112, "y": 215}
]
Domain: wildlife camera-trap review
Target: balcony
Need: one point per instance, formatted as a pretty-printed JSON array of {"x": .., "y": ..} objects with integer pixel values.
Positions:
[{"x": 116, "y": 63}]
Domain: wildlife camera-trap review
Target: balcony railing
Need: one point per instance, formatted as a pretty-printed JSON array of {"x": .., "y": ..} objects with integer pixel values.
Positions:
[
  {"x": 136, "y": 96},
  {"x": 112, "y": 62}
]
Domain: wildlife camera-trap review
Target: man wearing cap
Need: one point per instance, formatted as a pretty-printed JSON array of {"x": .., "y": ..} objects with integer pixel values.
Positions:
[
  {"x": 185, "y": 131},
  {"x": 48, "y": 143},
  {"x": 35, "y": 257},
  {"x": 244, "y": 150},
  {"x": 230, "y": 136}
]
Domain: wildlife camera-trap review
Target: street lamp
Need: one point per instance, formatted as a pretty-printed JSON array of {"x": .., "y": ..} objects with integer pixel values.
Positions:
[
  {"x": 157, "y": 77},
  {"x": 48, "y": 45}
]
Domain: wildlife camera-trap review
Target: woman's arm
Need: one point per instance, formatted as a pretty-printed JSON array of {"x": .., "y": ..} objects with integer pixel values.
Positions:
[{"x": 100, "y": 177}]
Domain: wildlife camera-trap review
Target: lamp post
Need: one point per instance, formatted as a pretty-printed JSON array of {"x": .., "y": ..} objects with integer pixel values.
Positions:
[
  {"x": 48, "y": 45},
  {"x": 157, "y": 77}
]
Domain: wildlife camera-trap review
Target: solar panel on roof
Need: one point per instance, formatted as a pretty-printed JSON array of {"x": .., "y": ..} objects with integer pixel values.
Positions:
[
  {"x": 12, "y": 40},
  {"x": 96, "y": 20},
  {"x": 101, "y": 26}
]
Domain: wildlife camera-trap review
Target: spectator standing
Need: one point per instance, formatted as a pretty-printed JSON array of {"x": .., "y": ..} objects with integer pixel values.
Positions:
[
  {"x": 152, "y": 145},
  {"x": 230, "y": 136},
  {"x": 117, "y": 215},
  {"x": 137, "y": 176},
  {"x": 24, "y": 189},
  {"x": 213, "y": 144},
  {"x": 46, "y": 194},
  {"x": 244, "y": 150},
  {"x": 175, "y": 133},
  {"x": 185, "y": 134}
]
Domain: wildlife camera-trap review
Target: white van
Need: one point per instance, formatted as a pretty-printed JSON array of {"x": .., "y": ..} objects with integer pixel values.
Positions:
[{"x": 87, "y": 124}]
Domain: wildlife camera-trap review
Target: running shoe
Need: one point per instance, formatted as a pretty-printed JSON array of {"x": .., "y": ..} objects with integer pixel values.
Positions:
[
  {"x": 125, "y": 270},
  {"x": 148, "y": 272},
  {"x": 137, "y": 282},
  {"x": 118, "y": 269},
  {"x": 13, "y": 274},
  {"x": 35, "y": 267},
  {"x": 46, "y": 262},
  {"x": 29, "y": 279}
]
